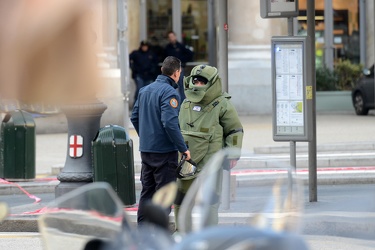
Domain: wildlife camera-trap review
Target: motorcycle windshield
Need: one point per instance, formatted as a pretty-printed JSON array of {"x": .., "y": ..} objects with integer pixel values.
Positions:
[
  {"x": 89, "y": 212},
  {"x": 92, "y": 211},
  {"x": 93, "y": 217},
  {"x": 275, "y": 194}
]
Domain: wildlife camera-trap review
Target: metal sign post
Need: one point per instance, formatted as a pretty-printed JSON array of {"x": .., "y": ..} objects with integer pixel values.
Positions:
[
  {"x": 212, "y": 59},
  {"x": 221, "y": 23},
  {"x": 293, "y": 71},
  {"x": 313, "y": 196},
  {"x": 291, "y": 92}
]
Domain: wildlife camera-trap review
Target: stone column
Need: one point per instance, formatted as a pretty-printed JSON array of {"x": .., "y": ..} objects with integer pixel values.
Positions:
[
  {"x": 108, "y": 30},
  {"x": 249, "y": 56},
  {"x": 370, "y": 41}
]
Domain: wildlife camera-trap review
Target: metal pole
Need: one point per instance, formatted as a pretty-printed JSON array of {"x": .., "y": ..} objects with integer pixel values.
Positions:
[
  {"x": 293, "y": 161},
  {"x": 122, "y": 12},
  {"x": 293, "y": 153},
  {"x": 212, "y": 60},
  {"x": 290, "y": 26},
  {"x": 313, "y": 196},
  {"x": 221, "y": 23},
  {"x": 362, "y": 32},
  {"x": 225, "y": 199},
  {"x": 142, "y": 20},
  {"x": 328, "y": 34},
  {"x": 221, "y": 20},
  {"x": 373, "y": 25},
  {"x": 176, "y": 19}
]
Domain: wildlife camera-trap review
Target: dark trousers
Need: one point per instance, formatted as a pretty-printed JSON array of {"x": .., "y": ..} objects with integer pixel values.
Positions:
[{"x": 158, "y": 169}]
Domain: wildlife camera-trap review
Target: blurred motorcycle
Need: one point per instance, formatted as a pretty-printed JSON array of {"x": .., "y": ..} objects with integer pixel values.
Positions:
[{"x": 93, "y": 217}]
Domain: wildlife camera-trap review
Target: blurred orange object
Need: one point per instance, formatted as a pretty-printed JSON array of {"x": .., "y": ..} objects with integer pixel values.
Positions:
[{"x": 48, "y": 51}]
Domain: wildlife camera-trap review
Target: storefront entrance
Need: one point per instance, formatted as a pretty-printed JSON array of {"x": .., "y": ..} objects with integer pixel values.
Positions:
[{"x": 187, "y": 18}]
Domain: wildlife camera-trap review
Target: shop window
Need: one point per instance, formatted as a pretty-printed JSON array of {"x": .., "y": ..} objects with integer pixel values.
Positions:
[
  {"x": 159, "y": 22},
  {"x": 193, "y": 22},
  {"x": 345, "y": 33},
  {"x": 194, "y": 27}
]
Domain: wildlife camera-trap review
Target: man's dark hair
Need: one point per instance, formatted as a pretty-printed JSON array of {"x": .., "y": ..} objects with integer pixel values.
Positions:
[
  {"x": 170, "y": 32},
  {"x": 170, "y": 65}
]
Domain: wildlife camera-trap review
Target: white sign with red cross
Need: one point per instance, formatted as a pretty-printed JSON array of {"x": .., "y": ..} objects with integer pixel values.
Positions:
[{"x": 75, "y": 146}]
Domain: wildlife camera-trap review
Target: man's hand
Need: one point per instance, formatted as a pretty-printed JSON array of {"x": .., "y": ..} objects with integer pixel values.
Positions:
[
  {"x": 232, "y": 163},
  {"x": 187, "y": 153}
]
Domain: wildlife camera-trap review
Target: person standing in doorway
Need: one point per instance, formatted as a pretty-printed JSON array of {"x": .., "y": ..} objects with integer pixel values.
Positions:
[
  {"x": 144, "y": 65},
  {"x": 209, "y": 122},
  {"x": 155, "y": 118},
  {"x": 179, "y": 50}
]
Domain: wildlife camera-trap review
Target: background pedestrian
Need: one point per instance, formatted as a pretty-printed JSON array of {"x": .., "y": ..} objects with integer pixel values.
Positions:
[
  {"x": 179, "y": 50},
  {"x": 144, "y": 65}
]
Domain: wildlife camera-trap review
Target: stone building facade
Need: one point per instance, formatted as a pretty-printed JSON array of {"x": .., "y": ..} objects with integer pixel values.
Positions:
[{"x": 249, "y": 39}]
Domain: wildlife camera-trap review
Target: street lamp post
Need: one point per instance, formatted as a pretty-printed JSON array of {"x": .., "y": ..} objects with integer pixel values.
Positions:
[{"x": 83, "y": 124}]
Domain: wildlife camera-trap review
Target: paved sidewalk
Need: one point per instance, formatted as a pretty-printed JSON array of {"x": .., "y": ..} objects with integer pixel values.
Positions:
[{"x": 342, "y": 130}]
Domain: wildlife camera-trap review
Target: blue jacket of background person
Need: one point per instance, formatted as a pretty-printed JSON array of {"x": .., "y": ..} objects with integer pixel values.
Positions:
[
  {"x": 180, "y": 51},
  {"x": 143, "y": 64},
  {"x": 157, "y": 113}
]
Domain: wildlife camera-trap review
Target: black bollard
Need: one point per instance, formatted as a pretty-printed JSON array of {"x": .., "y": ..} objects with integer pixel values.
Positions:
[{"x": 83, "y": 124}]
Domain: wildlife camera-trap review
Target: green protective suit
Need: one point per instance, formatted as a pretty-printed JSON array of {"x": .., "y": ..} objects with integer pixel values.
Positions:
[{"x": 208, "y": 122}]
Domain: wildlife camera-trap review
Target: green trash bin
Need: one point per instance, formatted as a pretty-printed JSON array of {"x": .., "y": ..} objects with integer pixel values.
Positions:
[
  {"x": 17, "y": 152},
  {"x": 113, "y": 161}
]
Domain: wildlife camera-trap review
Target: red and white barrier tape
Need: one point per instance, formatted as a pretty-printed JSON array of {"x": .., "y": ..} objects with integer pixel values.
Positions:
[
  {"x": 37, "y": 199},
  {"x": 45, "y": 209}
]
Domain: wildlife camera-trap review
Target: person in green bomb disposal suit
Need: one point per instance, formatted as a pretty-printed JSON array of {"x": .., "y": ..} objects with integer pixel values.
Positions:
[{"x": 208, "y": 122}]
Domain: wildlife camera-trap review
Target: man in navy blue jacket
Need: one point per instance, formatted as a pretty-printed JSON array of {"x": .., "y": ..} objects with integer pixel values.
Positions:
[
  {"x": 144, "y": 65},
  {"x": 155, "y": 118},
  {"x": 177, "y": 49}
]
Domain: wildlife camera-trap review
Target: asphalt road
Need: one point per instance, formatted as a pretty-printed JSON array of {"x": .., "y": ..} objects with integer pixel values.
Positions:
[{"x": 19, "y": 200}]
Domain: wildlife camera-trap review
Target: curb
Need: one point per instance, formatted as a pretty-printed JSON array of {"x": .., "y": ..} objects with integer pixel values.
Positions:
[
  {"x": 344, "y": 225},
  {"x": 243, "y": 178},
  {"x": 332, "y": 147},
  {"x": 24, "y": 224},
  {"x": 34, "y": 186},
  {"x": 336, "y": 178}
]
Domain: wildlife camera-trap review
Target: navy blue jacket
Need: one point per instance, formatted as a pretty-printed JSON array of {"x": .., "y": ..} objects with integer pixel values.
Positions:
[
  {"x": 143, "y": 64},
  {"x": 155, "y": 117},
  {"x": 180, "y": 51}
]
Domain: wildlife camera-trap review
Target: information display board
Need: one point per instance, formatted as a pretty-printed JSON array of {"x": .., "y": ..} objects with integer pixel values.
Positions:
[
  {"x": 292, "y": 96},
  {"x": 278, "y": 8}
]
